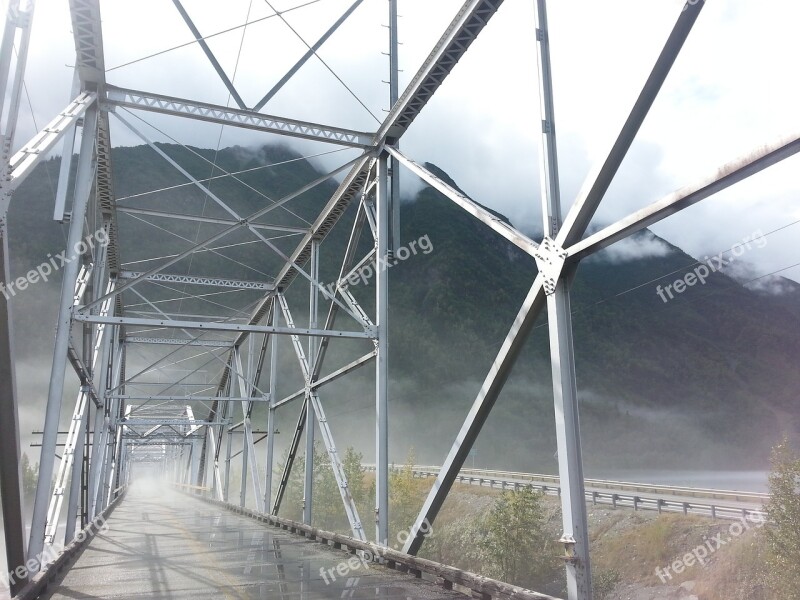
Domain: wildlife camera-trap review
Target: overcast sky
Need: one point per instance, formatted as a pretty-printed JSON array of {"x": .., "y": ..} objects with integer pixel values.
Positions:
[{"x": 734, "y": 87}]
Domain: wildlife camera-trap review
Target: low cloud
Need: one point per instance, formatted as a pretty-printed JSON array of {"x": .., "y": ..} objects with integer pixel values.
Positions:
[{"x": 645, "y": 245}]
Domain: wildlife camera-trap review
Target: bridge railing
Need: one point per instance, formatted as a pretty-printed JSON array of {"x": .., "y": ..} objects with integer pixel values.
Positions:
[
  {"x": 661, "y": 498},
  {"x": 446, "y": 576},
  {"x": 37, "y": 586}
]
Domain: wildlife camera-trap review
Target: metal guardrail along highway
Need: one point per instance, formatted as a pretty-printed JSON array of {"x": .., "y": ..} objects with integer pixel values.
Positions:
[{"x": 723, "y": 504}]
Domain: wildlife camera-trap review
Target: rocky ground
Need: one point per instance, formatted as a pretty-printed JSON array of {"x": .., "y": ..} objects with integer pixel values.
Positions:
[{"x": 628, "y": 547}]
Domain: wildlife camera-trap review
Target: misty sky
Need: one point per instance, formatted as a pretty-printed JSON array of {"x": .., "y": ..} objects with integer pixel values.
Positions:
[{"x": 733, "y": 88}]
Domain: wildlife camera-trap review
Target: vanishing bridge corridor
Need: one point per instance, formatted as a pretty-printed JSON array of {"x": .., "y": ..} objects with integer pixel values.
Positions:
[{"x": 197, "y": 303}]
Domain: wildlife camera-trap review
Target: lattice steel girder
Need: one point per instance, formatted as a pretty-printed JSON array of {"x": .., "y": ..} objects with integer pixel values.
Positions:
[
  {"x": 178, "y": 342},
  {"x": 166, "y": 442},
  {"x": 141, "y": 422},
  {"x": 23, "y": 162},
  {"x": 88, "y": 35},
  {"x": 176, "y": 398},
  {"x": 465, "y": 27},
  {"x": 246, "y": 119},
  {"x": 213, "y": 326},
  {"x": 329, "y": 216},
  {"x": 238, "y": 284}
]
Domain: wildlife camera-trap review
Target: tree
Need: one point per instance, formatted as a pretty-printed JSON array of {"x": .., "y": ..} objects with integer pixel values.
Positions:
[
  {"x": 783, "y": 535},
  {"x": 404, "y": 497},
  {"x": 30, "y": 477},
  {"x": 355, "y": 474},
  {"x": 292, "y": 503},
  {"x": 516, "y": 543}
]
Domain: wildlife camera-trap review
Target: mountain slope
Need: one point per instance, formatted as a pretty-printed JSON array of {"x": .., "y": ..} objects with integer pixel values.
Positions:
[{"x": 705, "y": 380}]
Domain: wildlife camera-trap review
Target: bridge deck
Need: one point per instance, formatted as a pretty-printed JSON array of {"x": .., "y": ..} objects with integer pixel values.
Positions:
[{"x": 167, "y": 545}]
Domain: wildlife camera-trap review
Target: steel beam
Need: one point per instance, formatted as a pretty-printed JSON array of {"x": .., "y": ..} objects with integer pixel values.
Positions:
[
  {"x": 10, "y": 475},
  {"x": 192, "y": 398},
  {"x": 214, "y": 326},
  {"x": 27, "y": 157},
  {"x": 505, "y": 229},
  {"x": 271, "y": 428},
  {"x": 83, "y": 186},
  {"x": 312, "y": 50},
  {"x": 341, "y": 372},
  {"x": 249, "y": 452},
  {"x": 209, "y": 54},
  {"x": 212, "y": 113},
  {"x": 724, "y": 177},
  {"x": 572, "y": 230},
  {"x": 350, "y": 508},
  {"x": 133, "y": 339},
  {"x": 599, "y": 179},
  {"x": 238, "y": 284},
  {"x": 575, "y": 535},
  {"x": 382, "y": 357}
]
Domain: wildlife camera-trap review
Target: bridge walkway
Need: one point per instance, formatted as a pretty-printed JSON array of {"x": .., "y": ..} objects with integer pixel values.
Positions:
[{"x": 162, "y": 544}]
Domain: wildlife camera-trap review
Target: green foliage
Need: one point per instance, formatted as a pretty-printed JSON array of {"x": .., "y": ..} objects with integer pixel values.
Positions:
[
  {"x": 603, "y": 583},
  {"x": 509, "y": 542},
  {"x": 30, "y": 477},
  {"x": 516, "y": 542},
  {"x": 354, "y": 472},
  {"x": 328, "y": 512},
  {"x": 292, "y": 503},
  {"x": 404, "y": 497},
  {"x": 783, "y": 535}
]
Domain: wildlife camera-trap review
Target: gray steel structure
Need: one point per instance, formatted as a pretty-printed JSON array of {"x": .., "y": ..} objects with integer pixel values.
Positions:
[{"x": 134, "y": 418}]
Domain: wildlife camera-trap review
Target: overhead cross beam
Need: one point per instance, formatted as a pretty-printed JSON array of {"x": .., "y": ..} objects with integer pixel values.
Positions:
[
  {"x": 238, "y": 284},
  {"x": 241, "y": 118}
]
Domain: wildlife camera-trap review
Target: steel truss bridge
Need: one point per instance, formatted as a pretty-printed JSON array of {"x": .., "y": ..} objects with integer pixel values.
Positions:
[{"x": 107, "y": 311}]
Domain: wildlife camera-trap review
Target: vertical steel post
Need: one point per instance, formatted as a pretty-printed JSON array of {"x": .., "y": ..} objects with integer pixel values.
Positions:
[
  {"x": 83, "y": 186},
  {"x": 229, "y": 443},
  {"x": 381, "y": 360},
  {"x": 100, "y": 425},
  {"x": 394, "y": 95},
  {"x": 562, "y": 357},
  {"x": 104, "y": 455},
  {"x": 77, "y": 469},
  {"x": 273, "y": 395},
  {"x": 308, "y": 488},
  {"x": 10, "y": 457}
]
